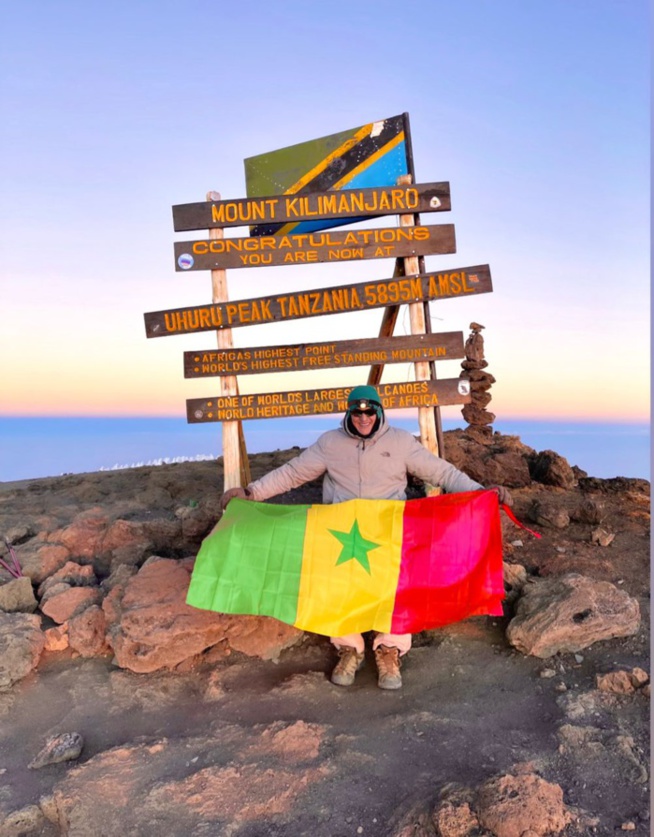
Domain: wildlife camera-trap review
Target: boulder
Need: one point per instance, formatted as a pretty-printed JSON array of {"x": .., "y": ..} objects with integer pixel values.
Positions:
[
  {"x": 570, "y": 612},
  {"x": 83, "y": 537},
  {"x": 551, "y": 469},
  {"x": 17, "y": 596},
  {"x": 39, "y": 560},
  {"x": 21, "y": 645},
  {"x": 515, "y": 806},
  {"x": 74, "y": 600},
  {"x": 546, "y": 513},
  {"x": 590, "y": 510},
  {"x": 87, "y": 632},
  {"x": 73, "y": 574},
  {"x": 153, "y": 628}
]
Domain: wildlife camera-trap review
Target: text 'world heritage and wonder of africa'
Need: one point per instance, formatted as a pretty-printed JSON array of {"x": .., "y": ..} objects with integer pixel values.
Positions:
[{"x": 333, "y": 400}]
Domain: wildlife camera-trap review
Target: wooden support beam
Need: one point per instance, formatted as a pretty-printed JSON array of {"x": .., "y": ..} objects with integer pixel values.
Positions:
[
  {"x": 236, "y": 467},
  {"x": 426, "y": 419}
]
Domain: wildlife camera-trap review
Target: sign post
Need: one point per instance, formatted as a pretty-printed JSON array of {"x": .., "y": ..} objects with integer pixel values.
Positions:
[
  {"x": 426, "y": 416},
  {"x": 236, "y": 467}
]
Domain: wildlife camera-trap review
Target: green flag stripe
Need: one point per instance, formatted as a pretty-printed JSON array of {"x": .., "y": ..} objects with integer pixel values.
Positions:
[{"x": 230, "y": 575}]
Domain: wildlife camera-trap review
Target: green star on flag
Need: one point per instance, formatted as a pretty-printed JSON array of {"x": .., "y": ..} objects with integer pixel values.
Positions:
[{"x": 355, "y": 546}]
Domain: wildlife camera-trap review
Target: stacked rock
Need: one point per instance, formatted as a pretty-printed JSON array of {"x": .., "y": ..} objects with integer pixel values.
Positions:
[{"x": 475, "y": 413}]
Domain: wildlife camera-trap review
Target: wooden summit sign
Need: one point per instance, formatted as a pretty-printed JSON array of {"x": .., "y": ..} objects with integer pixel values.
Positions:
[
  {"x": 308, "y": 248},
  {"x": 348, "y": 203},
  {"x": 329, "y": 400},
  {"x": 462, "y": 281},
  {"x": 301, "y": 356}
]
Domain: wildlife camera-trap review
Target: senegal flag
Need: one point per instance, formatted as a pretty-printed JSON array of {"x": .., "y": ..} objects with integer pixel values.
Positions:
[{"x": 383, "y": 565}]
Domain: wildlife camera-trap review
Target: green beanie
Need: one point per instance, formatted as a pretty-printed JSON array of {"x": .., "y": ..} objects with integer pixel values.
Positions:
[{"x": 363, "y": 393}]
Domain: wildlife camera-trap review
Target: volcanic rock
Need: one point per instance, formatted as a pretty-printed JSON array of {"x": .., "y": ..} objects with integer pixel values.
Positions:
[
  {"x": 551, "y": 469},
  {"x": 68, "y": 603},
  {"x": 549, "y": 514},
  {"x": 65, "y": 746},
  {"x": 156, "y": 629},
  {"x": 515, "y": 806},
  {"x": 21, "y": 644},
  {"x": 569, "y": 613},
  {"x": 17, "y": 596}
]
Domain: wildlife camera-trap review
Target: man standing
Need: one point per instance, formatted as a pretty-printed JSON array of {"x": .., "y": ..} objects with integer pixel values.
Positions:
[{"x": 364, "y": 458}]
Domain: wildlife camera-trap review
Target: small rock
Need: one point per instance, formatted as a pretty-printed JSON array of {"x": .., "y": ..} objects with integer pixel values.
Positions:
[
  {"x": 56, "y": 639},
  {"x": 628, "y": 826},
  {"x": 25, "y": 821},
  {"x": 639, "y": 677},
  {"x": 63, "y": 747},
  {"x": 17, "y": 596},
  {"x": 549, "y": 514},
  {"x": 547, "y": 673},
  {"x": 560, "y": 687},
  {"x": 579, "y": 658},
  {"x": 601, "y": 536},
  {"x": 517, "y": 543},
  {"x": 590, "y": 511},
  {"x": 19, "y": 534}
]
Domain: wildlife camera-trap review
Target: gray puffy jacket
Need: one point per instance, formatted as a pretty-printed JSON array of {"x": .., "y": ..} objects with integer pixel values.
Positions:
[{"x": 374, "y": 468}]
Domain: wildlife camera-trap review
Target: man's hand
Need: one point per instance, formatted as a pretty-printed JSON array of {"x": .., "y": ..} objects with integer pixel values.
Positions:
[
  {"x": 503, "y": 494},
  {"x": 241, "y": 493}
]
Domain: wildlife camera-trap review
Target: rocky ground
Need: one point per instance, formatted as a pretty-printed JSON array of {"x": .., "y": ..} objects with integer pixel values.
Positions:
[{"x": 124, "y": 712}]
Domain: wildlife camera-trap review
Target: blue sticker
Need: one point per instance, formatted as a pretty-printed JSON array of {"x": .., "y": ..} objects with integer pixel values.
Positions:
[{"x": 185, "y": 261}]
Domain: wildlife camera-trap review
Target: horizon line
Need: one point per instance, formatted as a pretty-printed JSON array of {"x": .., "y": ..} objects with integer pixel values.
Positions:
[{"x": 498, "y": 420}]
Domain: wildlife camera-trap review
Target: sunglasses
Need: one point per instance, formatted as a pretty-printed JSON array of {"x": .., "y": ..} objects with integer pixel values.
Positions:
[{"x": 359, "y": 413}]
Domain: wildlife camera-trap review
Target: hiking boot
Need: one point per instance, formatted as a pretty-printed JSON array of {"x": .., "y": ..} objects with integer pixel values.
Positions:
[
  {"x": 388, "y": 666},
  {"x": 348, "y": 665}
]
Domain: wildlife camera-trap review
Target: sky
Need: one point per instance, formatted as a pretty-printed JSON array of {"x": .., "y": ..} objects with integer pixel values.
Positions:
[{"x": 536, "y": 113}]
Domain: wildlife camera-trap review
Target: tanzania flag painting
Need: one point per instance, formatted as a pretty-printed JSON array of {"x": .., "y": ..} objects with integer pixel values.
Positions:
[
  {"x": 383, "y": 565},
  {"x": 370, "y": 155}
]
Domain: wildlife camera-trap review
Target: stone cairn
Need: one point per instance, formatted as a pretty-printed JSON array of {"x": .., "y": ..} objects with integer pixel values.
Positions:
[{"x": 478, "y": 417}]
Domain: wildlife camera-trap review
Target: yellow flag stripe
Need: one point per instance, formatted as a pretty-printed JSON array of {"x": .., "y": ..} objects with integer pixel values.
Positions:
[
  {"x": 390, "y": 145},
  {"x": 341, "y": 598},
  {"x": 362, "y": 133}
]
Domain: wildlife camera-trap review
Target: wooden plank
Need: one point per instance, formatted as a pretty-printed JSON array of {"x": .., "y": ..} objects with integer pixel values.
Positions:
[
  {"x": 445, "y": 284},
  {"x": 323, "y": 401},
  {"x": 311, "y": 248},
  {"x": 346, "y": 203},
  {"x": 300, "y": 356}
]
